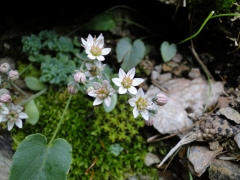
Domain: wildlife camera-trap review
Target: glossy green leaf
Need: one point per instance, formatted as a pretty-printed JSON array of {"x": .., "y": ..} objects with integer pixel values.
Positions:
[
  {"x": 102, "y": 22},
  {"x": 168, "y": 51},
  {"x": 130, "y": 54},
  {"x": 35, "y": 159},
  {"x": 32, "y": 111},
  {"x": 34, "y": 84},
  {"x": 112, "y": 105}
]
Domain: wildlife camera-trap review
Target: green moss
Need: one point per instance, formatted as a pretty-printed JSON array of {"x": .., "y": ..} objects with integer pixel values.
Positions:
[
  {"x": 91, "y": 135},
  {"x": 206, "y": 6}
]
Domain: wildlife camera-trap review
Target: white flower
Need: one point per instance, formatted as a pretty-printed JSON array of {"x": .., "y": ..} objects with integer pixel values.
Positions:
[
  {"x": 94, "y": 70},
  {"x": 3, "y": 111},
  {"x": 14, "y": 116},
  {"x": 102, "y": 93},
  {"x": 94, "y": 47},
  {"x": 142, "y": 104},
  {"x": 126, "y": 82}
]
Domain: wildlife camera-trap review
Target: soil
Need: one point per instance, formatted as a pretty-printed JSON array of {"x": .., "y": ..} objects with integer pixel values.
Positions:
[{"x": 165, "y": 23}]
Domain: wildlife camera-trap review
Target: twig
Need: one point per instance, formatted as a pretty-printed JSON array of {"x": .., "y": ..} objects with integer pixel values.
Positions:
[{"x": 200, "y": 62}]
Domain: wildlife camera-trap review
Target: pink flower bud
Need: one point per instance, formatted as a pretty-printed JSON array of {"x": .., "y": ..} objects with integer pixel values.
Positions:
[
  {"x": 72, "y": 88},
  {"x": 4, "y": 98},
  {"x": 79, "y": 77},
  {"x": 13, "y": 75},
  {"x": 5, "y": 67},
  {"x": 89, "y": 89},
  {"x": 161, "y": 99},
  {"x": 149, "y": 122}
]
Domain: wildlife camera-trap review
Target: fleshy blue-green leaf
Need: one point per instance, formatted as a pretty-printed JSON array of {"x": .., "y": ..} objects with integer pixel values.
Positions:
[
  {"x": 123, "y": 47},
  {"x": 168, "y": 51},
  {"x": 130, "y": 54},
  {"x": 35, "y": 159},
  {"x": 102, "y": 22},
  {"x": 112, "y": 105},
  {"x": 34, "y": 84},
  {"x": 32, "y": 111}
]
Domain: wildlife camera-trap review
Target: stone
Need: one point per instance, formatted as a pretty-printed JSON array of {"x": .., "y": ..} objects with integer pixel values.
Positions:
[
  {"x": 200, "y": 157},
  {"x": 224, "y": 170},
  {"x": 151, "y": 159}
]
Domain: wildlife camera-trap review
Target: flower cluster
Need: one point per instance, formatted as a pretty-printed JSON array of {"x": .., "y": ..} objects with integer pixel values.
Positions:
[
  {"x": 10, "y": 113},
  {"x": 97, "y": 85}
]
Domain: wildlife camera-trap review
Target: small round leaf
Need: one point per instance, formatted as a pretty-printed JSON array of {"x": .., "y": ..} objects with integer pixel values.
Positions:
[
  {"x": 168, "y": 51},
  {"x": 34, "y": 84},
  {"x": 32, "y": 111}
]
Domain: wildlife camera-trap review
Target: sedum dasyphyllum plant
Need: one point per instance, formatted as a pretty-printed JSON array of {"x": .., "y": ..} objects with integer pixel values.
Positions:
[{"x": 36, "y": 158}]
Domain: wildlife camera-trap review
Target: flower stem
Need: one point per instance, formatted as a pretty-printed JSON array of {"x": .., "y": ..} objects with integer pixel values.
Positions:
[
  {"x": 32, "y": 97},
  {"x": 19, "y": 89},
  {"x": 61, "y": 120},
  {"x": 206, "y": 20}
]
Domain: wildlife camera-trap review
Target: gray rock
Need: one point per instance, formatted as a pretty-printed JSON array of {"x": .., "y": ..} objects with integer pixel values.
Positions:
[
  {"x": 150, "y": 159},
  {"x": 224, "y": 170},
  {"x": 200, "y": 157}
]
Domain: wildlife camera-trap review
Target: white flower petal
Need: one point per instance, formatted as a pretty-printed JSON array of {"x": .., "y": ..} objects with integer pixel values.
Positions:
[
  {"x": 102, "y": 67},
  {"x": 107, "y": 101},
  {"x": 131, "y": 73},
  {"x": 106, "y": 51},
  {"x": 19, "y": 123},
  {"x": 140, "y": 93},
  {"x": 90, "y": 56},
  {"x": 23, "y": 115},
  {"x": 122, "y": 90},
  {"x": 18, "y": 108},
  {"x": 88, "y": 66},
  {"x": 84, "y": 43},
  {"x": 100, "y": 58},
  {"x": 122, "y": 74},
  {"x": 92, "y": 93},
  {"x": 100, "y": 37},
  {"x": 132, "y": 102},
  {"x": 117, "y": 81},
  {"x": 97, "y": 101},
  {"x": 145, "y": 114},
  {"x": 1, "y": 117},
  {"x": 4, "y": 119},
  {"x": 4, "y": 110},
  {"x": 90, "y": 40},
  {"x": 135, "y": 112},
  {"x": 106, "y": 84},
  {"x": 10, "y": 125},
  {"x": 132, "y": 90},
  {"x": 137, "y": 81},
  {"x": 97, "y": 85},
  {"x": 100, "y": 43},
  {"x": 112, "y": 91}
]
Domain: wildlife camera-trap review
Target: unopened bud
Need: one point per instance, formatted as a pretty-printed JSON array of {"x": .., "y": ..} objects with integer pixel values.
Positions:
[
  {"x": 4, "y": 98},
  {"x": 72, "y": 87},
  {"x": 160, "y": 99},
  {"x": 89, "y": 89},
  {"x": 5, "y": 67},
  {"x": 13, "y": 75},
  {"x": 79, "y": 77},
  {"x": 149, "y": 122}
]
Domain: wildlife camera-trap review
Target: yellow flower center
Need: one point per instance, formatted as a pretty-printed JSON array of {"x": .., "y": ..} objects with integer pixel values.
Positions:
[
  {"x": 96, "y": 51},
  {"x": 141, "y": 104},
  {"x": 102, "y": 93},
  {"x": 127, "y": 82}
]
